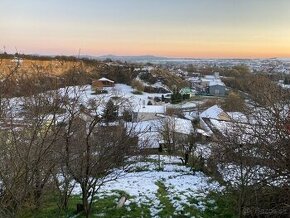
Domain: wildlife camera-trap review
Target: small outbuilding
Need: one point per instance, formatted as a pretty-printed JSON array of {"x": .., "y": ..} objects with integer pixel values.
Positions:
[
  {"x": 187, "y": 91},
  {"x": 217, "y": 88},
  {"x": 102, "y": 83}
]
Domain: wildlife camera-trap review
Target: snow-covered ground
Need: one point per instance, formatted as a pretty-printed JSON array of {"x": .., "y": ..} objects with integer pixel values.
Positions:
[
  {"x": 181, "y": 182},
  {"x": 122, "y": 91},
  {"x": 250, "y": 175},
  {"x": 125, "y": 92}
]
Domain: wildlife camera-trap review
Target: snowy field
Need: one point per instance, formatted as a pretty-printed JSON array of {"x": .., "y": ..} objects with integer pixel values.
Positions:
[{"x": 142, "y": 184}]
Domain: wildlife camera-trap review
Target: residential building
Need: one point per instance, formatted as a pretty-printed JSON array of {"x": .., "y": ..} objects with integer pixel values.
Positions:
[{"x": 102, "y": 83}]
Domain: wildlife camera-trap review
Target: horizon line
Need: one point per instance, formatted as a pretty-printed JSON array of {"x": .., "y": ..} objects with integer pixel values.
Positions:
[{"x": 148, "y": 55}]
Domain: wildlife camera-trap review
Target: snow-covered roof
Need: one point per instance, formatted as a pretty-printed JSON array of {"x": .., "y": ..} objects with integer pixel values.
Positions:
[
  {"x": 183, "y": 126},
  {"x": 180, "y": 125},
  {"x": 149, "y": 140},
  {"x": 186, "y": 90},
  {"x": 213, "y": 112},
  {"x": 210, "y": 77},
  {"x": 158, "y": 109},
  {"x": 145, "y": 126},
  {"x": 216, "y": 82},
  {"x": 202, "y": 132},
  {"x": 193, "y": 79},
  {"x": 103, "y": 79},
  {"x": 205, "y": 80},
  {"x": 238, "y": 116}
]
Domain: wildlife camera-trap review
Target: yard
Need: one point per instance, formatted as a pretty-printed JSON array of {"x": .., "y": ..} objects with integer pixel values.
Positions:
[{"x": 155, "y": 188}]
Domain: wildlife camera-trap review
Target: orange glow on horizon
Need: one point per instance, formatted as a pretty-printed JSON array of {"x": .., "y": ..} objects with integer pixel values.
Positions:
[
  {"x": 192, "y": 29},
  {"x": 178, "y": 50},
  {"x": 227, "y": 48}
]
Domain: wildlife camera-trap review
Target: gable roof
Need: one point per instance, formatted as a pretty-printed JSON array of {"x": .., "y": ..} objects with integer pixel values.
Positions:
[
  {"x": 183, "y": 126},
  {"x": 215, "y": 112},
  {"x": 216, "y": 83},
  {"x": 185, "y": 91},
  {"x": 103, "y": 79}
]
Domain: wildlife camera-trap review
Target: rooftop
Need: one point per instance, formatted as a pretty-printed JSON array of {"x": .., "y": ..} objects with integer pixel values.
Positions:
[
  {"x": 213, "y": 112},
  {"x": 103, "y": 79},
  {"x": 216, "y": 83}
]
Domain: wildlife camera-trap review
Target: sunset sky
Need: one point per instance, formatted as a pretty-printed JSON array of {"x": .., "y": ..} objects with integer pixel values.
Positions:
[{"x": 174, "y": 28}]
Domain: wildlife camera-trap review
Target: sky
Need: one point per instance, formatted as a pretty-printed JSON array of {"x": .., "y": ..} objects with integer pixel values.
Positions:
[{"x": 172, "y": 28}]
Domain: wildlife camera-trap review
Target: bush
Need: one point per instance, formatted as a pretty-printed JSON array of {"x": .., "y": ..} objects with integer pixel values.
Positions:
[
  {"x": 127, "y": 115},
  {"x": 136, "y": 84},
  {"x": 209, "y": 103},
  {"x": 176, "y": 97},
  {"x": 186, "y": 96},
  {"x": 234, "y": 102},
  {"x": 148, "y": 77},
  {"x": 136, "y": 92}
]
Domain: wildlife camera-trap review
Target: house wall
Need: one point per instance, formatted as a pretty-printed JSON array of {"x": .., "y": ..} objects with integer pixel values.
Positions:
[
  {"x": 97, "y": 85},
  {"x": 101, "y": 84},
  {"x": 107, "y": 84},
  {"x": 217, "y": 90}
]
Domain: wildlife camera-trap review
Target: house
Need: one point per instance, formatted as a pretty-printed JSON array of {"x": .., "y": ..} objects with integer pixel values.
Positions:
[
  {"x": 148, "y": 134},
  {"x": 210, "y": 84},
  {"x": 212, "y": 117},
  {"x": 177, "y": 132},
  {"x": 195, "y": 81},
  {"x": 215, "y": 112},
  {"x": 102, "y": 83},
  {"x": 161, "y": 132},
  {"x": 164, "y": 131},
  {"x": 217, "y": 88},
  {"x": 186, "y": 91}
]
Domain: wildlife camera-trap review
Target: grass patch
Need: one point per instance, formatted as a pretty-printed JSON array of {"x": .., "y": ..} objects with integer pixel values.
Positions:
[
  {"x": 50, "y": 208},
  {"x": 103, "y": 206},
  {"x": 223, "y": 206},
  {"x": 106, "y": 207},
  {"x": 168, "y": 209},
  {"x": 215, "y": 205}
]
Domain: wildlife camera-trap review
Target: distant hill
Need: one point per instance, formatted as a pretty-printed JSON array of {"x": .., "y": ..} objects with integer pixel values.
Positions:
[{"x": 143, "y": 58}]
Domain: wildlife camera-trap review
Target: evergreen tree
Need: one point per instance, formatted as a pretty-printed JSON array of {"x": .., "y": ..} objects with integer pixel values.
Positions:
[
  {"x": 176, "y": 97},
  {"x": 110, "y": 112}
]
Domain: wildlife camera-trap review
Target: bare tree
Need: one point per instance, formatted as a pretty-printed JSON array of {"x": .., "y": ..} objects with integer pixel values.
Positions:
[
  {"x": 94, "y": 150},
  {"x": 179, "y": 136},
  {"x": 166, "y": 129},
  {"x": 29, "y": 135},
  {"x": 255, "y": 149}
]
